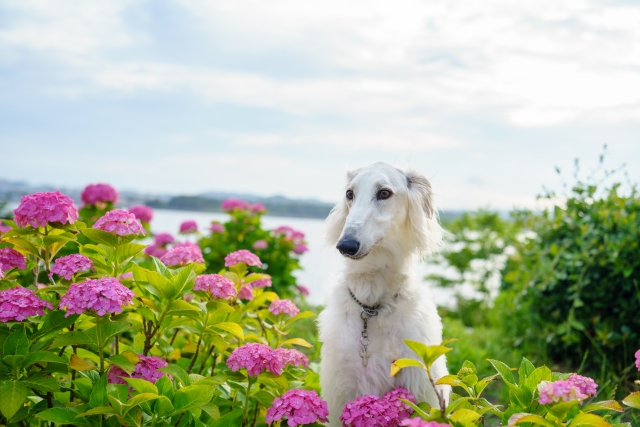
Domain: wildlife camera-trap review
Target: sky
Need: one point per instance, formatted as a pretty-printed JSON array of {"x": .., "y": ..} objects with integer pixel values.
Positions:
[{"x": 282, "y": 97}]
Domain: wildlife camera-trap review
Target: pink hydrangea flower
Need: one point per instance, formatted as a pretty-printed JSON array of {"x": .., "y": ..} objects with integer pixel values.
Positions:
[
  {"x": 298, "y": 407},
  {"x": 143, "y": 213},
  {"x": 584, "y": 384},
  {"x": 39, "y": 209},
  {"x": 242, "y": 255},
  {"x": 284, "y": 306},
  {"x": 99, "y": 193},
  {"x": 119, "y": 222},
  {"x": 300, "y": 248},
  {"x": 216, "y": 227},
  {"x": 1, "y": 274},
  {"x": 293, "y": 357},
  {"x": 263, "y": 282},
  {"x": 146, "y": 369},
  {"x": 163, "y": 239},
  {"x": 257, "y": 208},
  {"x": 394, "y": 396},
  {"x": 369, "y": 411},
  {"x": 638, "y": 359},
  {"x": 16, "y": 304},
  {"x": 304, "y": 291},
  {"x": 231, "y": 204},
  {"x": 71, "y": 264},
  {"x": 246, "y": 293},
  {"x": 217, "y": 285},
  {"x": 4, "y": 228},
  {"x": 126, "y": 276},
  {"x": 10, "y": 258},
  {"x": 418, "y": 422},
  {"x": 559, "y": 391},
  {"x": 105, "y": 295},
  {"x": 189, "y": 227},
  {"x": 256, "y": 358},
  {"x": 290, "y": 233},
  {"x": 155, "y": 251},
  {"x": 183, "y": 254},
  {"x": 260, "y": 244}
]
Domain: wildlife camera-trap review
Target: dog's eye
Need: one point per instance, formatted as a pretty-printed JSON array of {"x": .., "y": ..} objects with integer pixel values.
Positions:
[
  {"x": 349, "y": 194},
  {"x": 384, "y": 194}
]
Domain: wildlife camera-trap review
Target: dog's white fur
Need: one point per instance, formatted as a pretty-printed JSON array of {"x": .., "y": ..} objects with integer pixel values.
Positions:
[{"x": 391, "y": 234}]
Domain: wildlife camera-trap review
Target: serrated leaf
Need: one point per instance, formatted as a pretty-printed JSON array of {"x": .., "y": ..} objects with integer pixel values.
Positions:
[
  {"x": 141, "y": 398},
  {"x": 41, "y": 357},
  {"x": 526, "y": 368},
  {"x": 100, "y": 236},
  {"x": 503, "y": 370},
  {"x": 22, "y": 246},
  {"x": 61, "y": 416},
  {"x": 16, "y": 344},
  {"x": 560, "y": 410},
  {"x": 233, "y": 328},
  {"x": 12, "y": 395},
  {"x": 191, "y": 397},
  {"x": 141, "y": 386},
  {"x": 590, "y": 420},
  {"x": 609, "y": 405},
  {"x": 129, "y": 250},
  {"x": 123, "y": 362},
  {"x": 451, "y": 380},
  {"x": 42, "y": 383},
  {"x": 75, "y": 338},
  {"x": 98, "y": 395},
  {"x": 53, "y": 321},
  {"x": 79, "y": 364},
  {"x": 177, "y": 372}
]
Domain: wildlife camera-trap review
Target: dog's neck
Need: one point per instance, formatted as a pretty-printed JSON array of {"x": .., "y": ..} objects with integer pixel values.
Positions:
[{"x": 378, "y": 277}]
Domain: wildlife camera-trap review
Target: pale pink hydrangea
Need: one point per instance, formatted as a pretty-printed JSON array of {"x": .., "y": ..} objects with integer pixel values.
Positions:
[
  {"x": 99, "y": 193},
  {"x": 119, "y": 222},
  {"x": 231, "y": 204},
  {"x": 183, "y": 254},
  {"x": 290, "y": 233},
  {"x": 585, "y": 384},
  {"x": 217, "y": 285},
  {"x": 189, "y": 227},
  {"x": 298, "y": 407},
  {"x": 4, "y": 228},
  {"x": 304, "y": 291},
  {"x": 126, "y": 276},
  {"x": 559, "y": 391},
  {"x": 418, "y": 422},
  {"x": 146, "y": 369},
  {"x": 242, "y": 255},
  {"x": 263, "y": 282},
  {"x": 105, "y": 295},
  {"x": 10, "y": 258},
  {"x": 638, "y": 359},
  {"x": 257, "y": 208},
  {"x": 256, "y": 358},
  {"x": 216, "y": 227},
  {"x": 71, "y": 264},
  {"x": 143, "y": 213},
  {"x": 260, "y": 244},
  {"x": 293, "y": 357},
  {"x": 16, "y": 304},
  {"x": 284, "y": 306},
  {"x": 246, "y": 293},
  {"x": 300, "y": 248},
  {"x": 39, "y": 209}
]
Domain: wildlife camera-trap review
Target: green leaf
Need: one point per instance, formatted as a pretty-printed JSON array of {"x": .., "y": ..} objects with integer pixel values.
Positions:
[
  {"x": 141, "y": 398},
  {"x": 633, "y": 400},
  {"x": 22, "y": 245},
  {"x": 142, "y": 386},
  {"x": 539, "y": 374},
  {"x": 608, "y": 405},
  {"x": 99, "y": 410},
  {"x": 14, "y": 361},
  {"x": 12, "y": 395},
  {"x": 181, "y": 305},
  {"x": 418, "y": 348},
  {"x": 161, "y": 286},
  {"x": 526, "y": 368},
  {"x": 560, "y": 410},
  {"x": 42, "y": 383},
  {"x": 470, "y": 380},
  {"x": 516, "y": 419},
  {"x": 182, "y": 281},
  {"x": 99, "y": 393},
  {"x": 404, "y": 363},
  {"x": 40, "y": 357},
  {"x": 53, "y": 321},
  {"x": 79, "y": 364},
  {"x": 464, "y": 415},
  {"x": 100, "y": 236},
  {"x": 589, "y": 420},
  {"x": 264, "y": 397},
  {"x": 165, "y": 387},
  {"x": 61, "y": 416},
  {"x": 483, "y": 383},
  {"x": 16, "y": 343},
  {"x": 212, "y": 410},
  {"x": 191, "y": 397},
  {"x": 122, "y": 362},
  {"x": 109, "y": 329},
  {"x": 233, "y": 328},
  {"x": 177, "y": 372},
  {"x": 75, "y": 338},
  {"x": 127, "y": 251},
  {"x": 503, "y": 370}
]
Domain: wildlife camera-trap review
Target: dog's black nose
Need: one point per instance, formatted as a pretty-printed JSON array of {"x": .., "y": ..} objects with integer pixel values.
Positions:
[{"x": 348, "y": 246}]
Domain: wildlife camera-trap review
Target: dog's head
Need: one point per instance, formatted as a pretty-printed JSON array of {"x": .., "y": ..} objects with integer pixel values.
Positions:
[{"x": 384, "y": 207}]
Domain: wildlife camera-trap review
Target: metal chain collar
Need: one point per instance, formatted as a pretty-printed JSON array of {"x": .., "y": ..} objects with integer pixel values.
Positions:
[{"x": 367, "y": 313}]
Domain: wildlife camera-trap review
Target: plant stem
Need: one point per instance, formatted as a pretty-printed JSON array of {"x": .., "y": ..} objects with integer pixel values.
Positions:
[
  {"x": 246, "y": 402},
  {"x": 195, "y": 356},
  {"x": 441, "y": 401},
  {"x": 204, "y": 362},
  {"x": 100, "y": 346}
]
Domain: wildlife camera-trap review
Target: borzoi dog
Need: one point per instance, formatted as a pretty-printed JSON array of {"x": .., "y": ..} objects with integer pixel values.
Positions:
[{"x": 385, "y": 219}]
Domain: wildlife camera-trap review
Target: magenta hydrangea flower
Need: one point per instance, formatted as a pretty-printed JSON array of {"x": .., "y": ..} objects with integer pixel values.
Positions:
[
  {"x": 39, "y": 209},
  {"x": 189, "y": 227},
  {"x": 16, "y": 304},
  {"x": 10, "y": 258},
  {"x": 369, "y": 411},
  {"x": 263, "y": 282},
  {"x": 584, "y": 384},
  {"x": 1, "y": 274},
  {"x": 559, "y": 391},
  {"x": 231, "y": 204},
  {"x": 394, "y": 396},
  {"x": 284, "y": 306},
  {"x": 119, "y": 222},
  {"x": 300, "y": 248},
  {"x": 216, "y": 227},
  {"x": 293, "y": 357},
  {"x": 183, "y": 254},
  {"x": 217, "y": 285},
  {"x": 290, "y": 233},
  {"x": 71, "y": 264},
  {"x": 105, "y": 295},
  {"x": 418, "y": 422},
  {"x": 260, "y": 244},
  {"x": 304, "y": 291},
  {"x": 256, "y": 358},
  {"x": 257, "y": 208},
  {"x": 298, "y": 407},
  {"x": 99, "y": 193},
  {"x": 143, "y": 213},
  {"x": 146, "y": 369},
  {"x": 155, "y": 251},
  {"x": 638, "y": 359},
  {"x": 246, "y": 293},
  {"x": 163, "y": 239},
  {"x": 242, "y": 255},
  {"x": 4, "y": 228}
]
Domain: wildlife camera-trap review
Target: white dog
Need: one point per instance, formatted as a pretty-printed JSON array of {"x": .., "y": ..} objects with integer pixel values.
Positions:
[{"x": 385, "y": 220}]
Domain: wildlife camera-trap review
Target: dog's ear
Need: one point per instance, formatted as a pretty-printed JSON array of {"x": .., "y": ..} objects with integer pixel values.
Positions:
[
  {"x": 422, "y": 218},
  {"x": 338, "y": 215}
]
